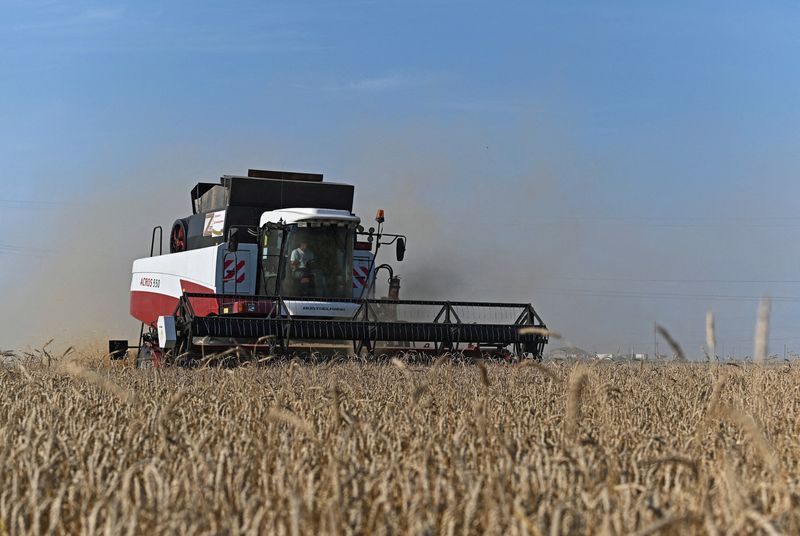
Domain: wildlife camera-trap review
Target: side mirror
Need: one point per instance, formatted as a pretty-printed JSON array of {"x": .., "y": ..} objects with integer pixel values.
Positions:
[
  {"x": 233, "y": 240},
  {"x": 401, "y": 249}
]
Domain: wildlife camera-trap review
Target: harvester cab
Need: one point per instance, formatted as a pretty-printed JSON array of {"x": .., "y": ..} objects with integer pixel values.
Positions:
[
  {"x": 307, "y": 252},
  {"x": 277, "y": 262}
]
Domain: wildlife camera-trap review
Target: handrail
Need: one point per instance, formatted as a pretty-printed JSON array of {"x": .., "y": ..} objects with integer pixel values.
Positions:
[{"x": 160, "y": 240}]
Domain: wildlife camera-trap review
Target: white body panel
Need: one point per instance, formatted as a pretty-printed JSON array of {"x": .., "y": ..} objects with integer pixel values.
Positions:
[
  {"x": 212, "y": 267},
  {"x": 167, "y": 336},
  {"x": 298, "y": 215},
  {"x": 320, "y": 308},
  {"x": 363, "y": 273}
]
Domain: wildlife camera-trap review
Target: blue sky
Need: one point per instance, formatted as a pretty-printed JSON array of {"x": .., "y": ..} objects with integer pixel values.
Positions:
[{"x": 622, "y": 162}]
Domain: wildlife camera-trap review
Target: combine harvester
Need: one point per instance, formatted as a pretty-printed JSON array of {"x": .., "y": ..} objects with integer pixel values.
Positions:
[{"x": 276, "y": 263}]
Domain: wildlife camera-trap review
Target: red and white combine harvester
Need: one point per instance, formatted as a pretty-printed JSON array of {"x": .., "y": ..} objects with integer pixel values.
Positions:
[{"x": 276, "y": 263}]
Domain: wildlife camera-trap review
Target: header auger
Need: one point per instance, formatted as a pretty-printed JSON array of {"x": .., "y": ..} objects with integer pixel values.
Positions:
[{"x": 276, "y": 263}]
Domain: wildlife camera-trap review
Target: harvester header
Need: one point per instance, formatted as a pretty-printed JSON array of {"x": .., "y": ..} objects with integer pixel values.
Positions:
[{"x": 277, "y": 262}]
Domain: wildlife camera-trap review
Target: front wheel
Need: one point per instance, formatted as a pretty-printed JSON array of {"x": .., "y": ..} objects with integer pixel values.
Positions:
[{"x": 144, "y": 358}]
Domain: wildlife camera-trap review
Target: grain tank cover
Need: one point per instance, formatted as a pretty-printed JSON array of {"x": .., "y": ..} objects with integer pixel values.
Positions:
[
  {"x": 284, "y": 175},
  {"x": 275, "y": 194},
  {"x": 239, "y": 201},
  {"x": 271, "y": 190}
]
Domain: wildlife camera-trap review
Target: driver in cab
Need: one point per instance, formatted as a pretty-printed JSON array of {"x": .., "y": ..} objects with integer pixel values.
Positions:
[{"x": 301, "y": 258}]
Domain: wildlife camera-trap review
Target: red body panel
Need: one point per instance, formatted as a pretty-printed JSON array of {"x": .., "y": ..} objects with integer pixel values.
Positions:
[{"x": 147, "y": 306}]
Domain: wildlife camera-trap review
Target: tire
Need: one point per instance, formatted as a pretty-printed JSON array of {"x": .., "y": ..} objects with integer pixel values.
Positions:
[
  {"x": 178, "y": 237},
  {"x": 144, "y": 358}
]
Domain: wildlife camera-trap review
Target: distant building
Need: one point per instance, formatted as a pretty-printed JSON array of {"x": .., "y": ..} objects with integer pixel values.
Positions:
[
  {"x": 622, "y": 357},
  {"x": 568, "y": 353}
]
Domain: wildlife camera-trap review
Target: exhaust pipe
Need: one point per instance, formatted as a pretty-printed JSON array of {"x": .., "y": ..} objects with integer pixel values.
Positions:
[{"x": 394, "y": 288}]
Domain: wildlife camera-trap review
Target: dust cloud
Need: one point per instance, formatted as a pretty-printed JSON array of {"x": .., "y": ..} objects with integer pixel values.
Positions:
[
  {"x": 77, "y": 289},
  {"x": 469, "y": 201}
]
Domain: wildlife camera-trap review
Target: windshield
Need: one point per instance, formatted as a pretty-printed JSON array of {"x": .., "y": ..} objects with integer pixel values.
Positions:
[{"x": 315, "y": 261}]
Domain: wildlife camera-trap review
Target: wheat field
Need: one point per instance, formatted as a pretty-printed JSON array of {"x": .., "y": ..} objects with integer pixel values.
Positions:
[{"x": 356, "y": 448}]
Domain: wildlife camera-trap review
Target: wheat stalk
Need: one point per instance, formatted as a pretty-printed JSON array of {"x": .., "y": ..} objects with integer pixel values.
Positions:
[
  {"x": 94, "y": 378},
  {"x": 753, "y": 432},
  {"x": 762, "y": 332},
  {"x": 536, "y": 330},
  {"x": 676, "y": 348},
  {"x": 529, "y": 363},
  {"x": 484, "y": 373},
  {"x": 575, "y": 387},
  {"x": 711, "y": 337}
]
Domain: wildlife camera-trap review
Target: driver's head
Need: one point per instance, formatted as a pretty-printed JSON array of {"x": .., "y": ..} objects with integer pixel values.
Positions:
[{"x": 304, "y": 245}]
